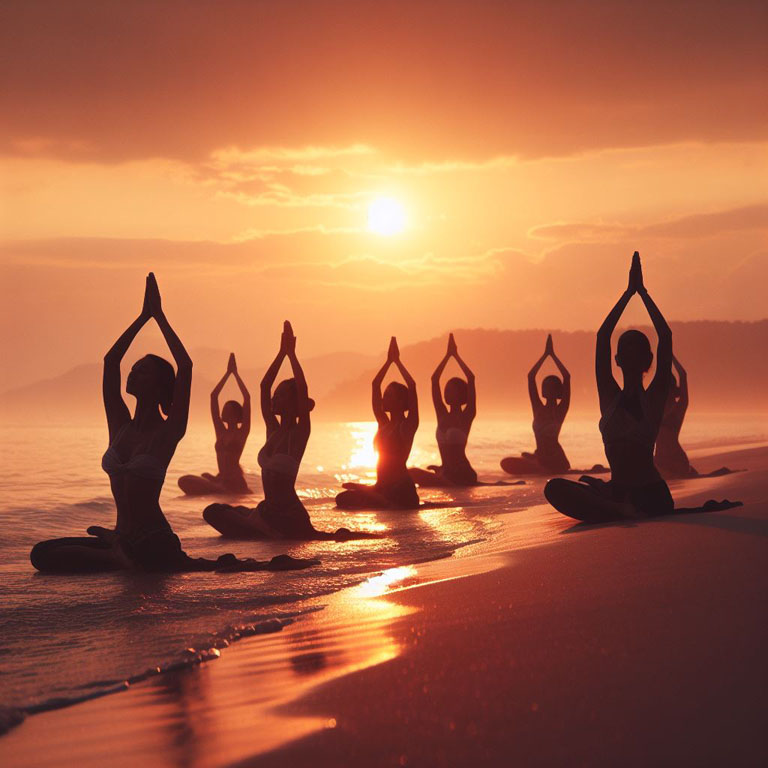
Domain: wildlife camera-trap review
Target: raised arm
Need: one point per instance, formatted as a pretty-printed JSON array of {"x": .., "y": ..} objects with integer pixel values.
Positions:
[
  {"x": 682, "y": 378},
  {"x": 533, "y": 389},
  {"x": 607, "y": 388},
  {"x": 266, "y": 390},
  {"x": 218, "y": 424},
  {"x": 470, "y": 409},
  {"x": 246, "y": 395},
  {"x": 565, "y": 373},
  {"x": 114, "y": 406},
  {"x": 378, "y": 380},
  {"x": 179, "y": 415},
  {"x": 413, "y": 400},
  {"x": 664, "y": 350},
  {"x": 302, "y": 393},
  {"x": 437, "y": 395}
]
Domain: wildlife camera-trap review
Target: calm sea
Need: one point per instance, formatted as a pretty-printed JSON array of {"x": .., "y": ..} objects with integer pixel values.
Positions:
[{"x": 66, "y": 637}]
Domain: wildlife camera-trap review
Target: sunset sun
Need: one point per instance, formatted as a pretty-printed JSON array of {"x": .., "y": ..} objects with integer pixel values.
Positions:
[{"x": 386, "y": 216}]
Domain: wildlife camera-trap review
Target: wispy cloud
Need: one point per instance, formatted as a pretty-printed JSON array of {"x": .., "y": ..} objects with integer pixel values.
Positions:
[
  {"x": 754, "y": 217},
  {"x": 293, "y": 177}
]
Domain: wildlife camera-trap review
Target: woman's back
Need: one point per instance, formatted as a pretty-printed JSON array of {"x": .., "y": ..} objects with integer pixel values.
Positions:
[
  {"x": 629, "y": 432},
  {"x": 393, "y": 442}
]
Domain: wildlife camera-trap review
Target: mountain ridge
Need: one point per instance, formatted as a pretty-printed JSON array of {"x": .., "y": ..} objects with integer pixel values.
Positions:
[{"x": 340, "y": 381}]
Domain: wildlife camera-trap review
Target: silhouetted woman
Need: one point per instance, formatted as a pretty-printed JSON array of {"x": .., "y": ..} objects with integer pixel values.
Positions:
[
  {"x": 631, "y": 417},
  {"x": 231, "y": 424},
  {"x": 281, "y": 515},
  {"x": 140, "y": 448},
  {"x": 548, "y": 417},
  {"x": 453, "y": 425},
  {"x": 397, "y": 413},
  {"x": 671, "y": 460}
]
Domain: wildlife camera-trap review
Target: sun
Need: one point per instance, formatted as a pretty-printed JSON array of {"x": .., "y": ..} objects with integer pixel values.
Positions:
[{"x": 386, "y": 216}]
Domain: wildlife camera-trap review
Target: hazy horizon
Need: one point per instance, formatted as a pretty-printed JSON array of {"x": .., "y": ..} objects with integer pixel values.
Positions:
[{"x": 340, "y": 382}]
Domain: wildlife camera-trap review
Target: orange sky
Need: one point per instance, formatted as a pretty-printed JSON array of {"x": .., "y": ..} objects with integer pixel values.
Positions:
[{"x": 234, "y": 147}]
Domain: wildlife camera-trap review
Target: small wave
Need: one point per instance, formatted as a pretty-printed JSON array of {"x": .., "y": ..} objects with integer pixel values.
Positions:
[
  {"x": 97, "y": 504},
  {"x": 190, "y": 657}
]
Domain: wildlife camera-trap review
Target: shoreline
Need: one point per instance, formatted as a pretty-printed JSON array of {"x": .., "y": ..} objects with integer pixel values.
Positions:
[{"x": 211, "y": 704}]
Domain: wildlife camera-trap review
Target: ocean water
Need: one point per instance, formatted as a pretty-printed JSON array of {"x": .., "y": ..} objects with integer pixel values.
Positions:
[{"x": 64, "y": 638}]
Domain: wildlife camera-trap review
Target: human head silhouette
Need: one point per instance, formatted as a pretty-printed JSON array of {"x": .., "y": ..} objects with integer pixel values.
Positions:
[
  {"x": 395, "y": 398},
  {"x": 232, "y": 413},
  {"x": 633, "y": 353},
  {"x": 552, "y": 388},
  {"x": 456, "y": 392},
  {"x": 151, "y": 379},
  {"x": 285, "y": 399}
]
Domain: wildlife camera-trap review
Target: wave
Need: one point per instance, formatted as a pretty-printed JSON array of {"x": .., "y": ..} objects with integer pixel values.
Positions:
[{"x": 11, "y": 716}]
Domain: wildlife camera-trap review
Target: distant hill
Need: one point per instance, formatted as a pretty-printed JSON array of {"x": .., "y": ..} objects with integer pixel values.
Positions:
[
  {"x": 726, "y": 362},
  {"x": 76, "y": 394}
]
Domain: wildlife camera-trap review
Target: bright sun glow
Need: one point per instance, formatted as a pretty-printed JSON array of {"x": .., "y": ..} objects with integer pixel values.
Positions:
[
  {"x": 364, "y": 455},
  {"x": 386, "y": 216}
]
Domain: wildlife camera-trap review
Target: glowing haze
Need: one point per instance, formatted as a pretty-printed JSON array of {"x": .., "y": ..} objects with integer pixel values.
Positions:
[{"x": 372, "y": 168}]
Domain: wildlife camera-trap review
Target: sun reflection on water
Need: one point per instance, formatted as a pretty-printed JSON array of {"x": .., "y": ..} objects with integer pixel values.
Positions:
[
  {"x": 379, "y": 585},
  {"x": 363, "y": 455}
]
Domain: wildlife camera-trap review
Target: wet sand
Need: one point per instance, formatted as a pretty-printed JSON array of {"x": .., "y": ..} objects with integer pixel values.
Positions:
[{"x": 630, "y": 644}]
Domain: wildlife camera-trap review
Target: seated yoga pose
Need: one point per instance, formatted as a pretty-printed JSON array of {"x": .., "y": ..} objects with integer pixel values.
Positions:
[
  {"x": 453, "y": 425},
  {"x": 631, "y": 417},
  {"x": 670, "y": 458},
  {"x": 140, "y": 448},
  {"x": 548, "y": 417},
  {"x": 397, "y": 413},
  {"x": 231, "y": 424},
  {"x": 281, "y": 515}
]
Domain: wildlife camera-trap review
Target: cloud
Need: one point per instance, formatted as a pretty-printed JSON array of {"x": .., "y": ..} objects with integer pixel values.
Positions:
[
  {"x": 707, "y": 224},
  {"x": 307, "y": 257},
  {"x": 113, "y": 81},
  {"x": 293, "y": 177},
  {"x": 753, "y": 217}
]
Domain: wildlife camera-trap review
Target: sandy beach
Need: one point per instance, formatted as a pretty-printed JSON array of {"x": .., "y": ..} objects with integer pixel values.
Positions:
[{"x": 631, "y": 644}]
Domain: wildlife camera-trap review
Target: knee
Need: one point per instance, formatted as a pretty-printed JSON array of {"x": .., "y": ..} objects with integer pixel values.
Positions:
[
  {"x": 39, "y": 556},
  {"x": 191, "y": 484},
  {"x": 553, "y": 490},
  {"x": 347, "y": 500},
  {"x": 211, "y": 512}
]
